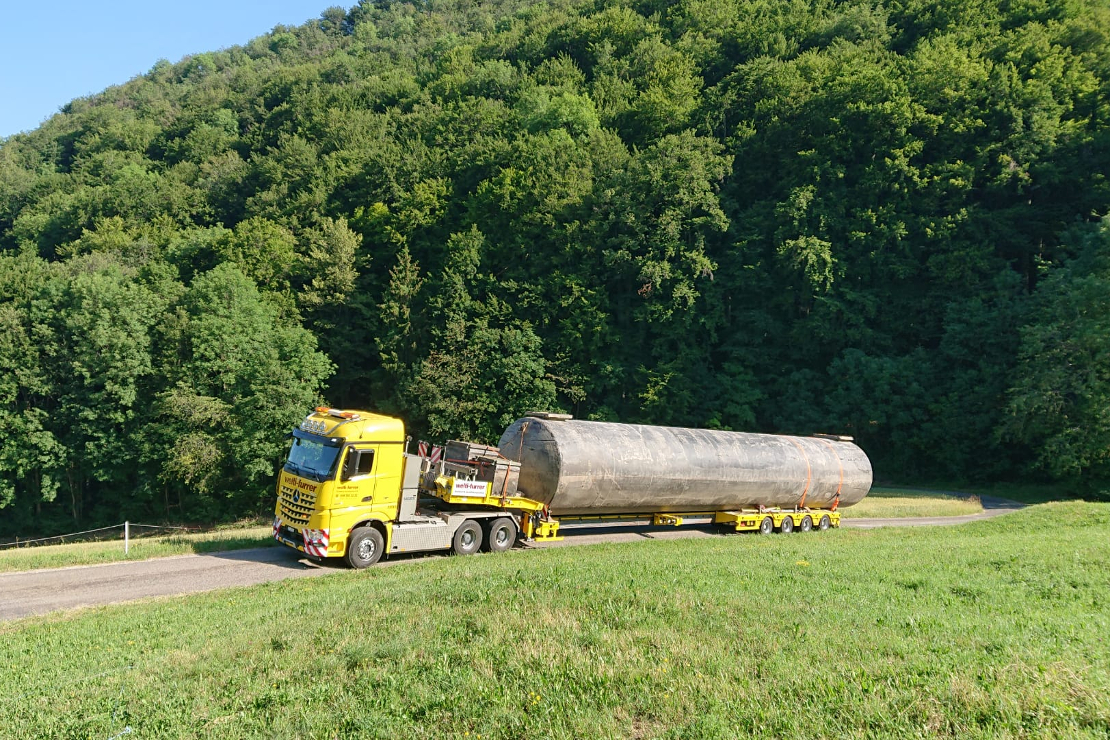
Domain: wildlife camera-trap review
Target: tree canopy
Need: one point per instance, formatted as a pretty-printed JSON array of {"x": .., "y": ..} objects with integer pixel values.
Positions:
[{"x": 883, "y": 220}]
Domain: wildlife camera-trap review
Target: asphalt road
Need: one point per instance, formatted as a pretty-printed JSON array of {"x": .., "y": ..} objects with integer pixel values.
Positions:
[{"x": 35, "y": 592}]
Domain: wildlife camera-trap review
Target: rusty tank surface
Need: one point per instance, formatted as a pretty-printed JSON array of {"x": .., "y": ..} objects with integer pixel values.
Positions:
[{"x": 593, "y": 467}]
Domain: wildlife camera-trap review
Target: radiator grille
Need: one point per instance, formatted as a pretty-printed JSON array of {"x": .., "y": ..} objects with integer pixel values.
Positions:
[{"x": 296, "y": 508}]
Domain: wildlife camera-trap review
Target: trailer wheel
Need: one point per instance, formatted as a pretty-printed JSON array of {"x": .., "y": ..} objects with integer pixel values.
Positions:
[
  {"x": 825, "y": 523},
  {"x": 787, "y": 525},
  {"x": 767, "y": 525},
  {"x": 468, "y": 538},
  {"x": 807, "y": 523},
  {"x": 501, "y": 535},
  {"x": 365, "y": 547}
]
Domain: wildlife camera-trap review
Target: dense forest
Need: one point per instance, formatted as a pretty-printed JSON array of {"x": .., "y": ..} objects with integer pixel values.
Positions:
[{"x": 878, "y": 219}]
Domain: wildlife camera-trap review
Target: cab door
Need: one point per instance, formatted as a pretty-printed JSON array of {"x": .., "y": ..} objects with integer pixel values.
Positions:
[
  {"x": 357, "y": 481},
  {"x": 370, "y": 476}
]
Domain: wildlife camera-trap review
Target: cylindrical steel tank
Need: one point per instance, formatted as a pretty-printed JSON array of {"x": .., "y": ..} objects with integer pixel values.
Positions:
[{"x": 593, "y": 467}]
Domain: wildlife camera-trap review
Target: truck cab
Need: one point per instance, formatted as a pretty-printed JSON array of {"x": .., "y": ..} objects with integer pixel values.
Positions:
[{"x": 343, "y": 471}]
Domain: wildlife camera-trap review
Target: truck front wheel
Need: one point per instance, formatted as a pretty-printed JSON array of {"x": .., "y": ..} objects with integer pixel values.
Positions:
[
  {"x": 468, "y": 538},
  {"x": 365, "y": 547}
]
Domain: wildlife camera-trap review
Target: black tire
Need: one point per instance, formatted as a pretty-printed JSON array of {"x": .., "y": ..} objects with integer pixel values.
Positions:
[
  {"x": 500, "y": 535},
  {"x": 767, "y": 525},
  {"x": 365, "y": 547},
  {"x": 825, "y": 523},
  {"x": 807, "y": 523},
  {"x": 468, "y": 538},
  {"x": 787, "y": 525}
]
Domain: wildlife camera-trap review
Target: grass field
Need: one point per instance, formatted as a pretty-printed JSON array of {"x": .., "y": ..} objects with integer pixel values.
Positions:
[
  {"x": 992, "y": 629},
  {"x": 109, "y": 551},
  {"x": 910, "y": 502}
]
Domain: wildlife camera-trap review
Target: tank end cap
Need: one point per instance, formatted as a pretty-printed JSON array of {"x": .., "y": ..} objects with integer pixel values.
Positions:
[{"x": 549, "y": 415}]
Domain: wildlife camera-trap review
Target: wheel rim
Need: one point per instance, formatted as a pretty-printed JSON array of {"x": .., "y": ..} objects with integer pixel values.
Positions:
[
  {"x": 467, "y": 539},
  {"x": 501, "y": 537},
  {"x": 366, "y": 549},
  {"x": 766, "y": 525}
]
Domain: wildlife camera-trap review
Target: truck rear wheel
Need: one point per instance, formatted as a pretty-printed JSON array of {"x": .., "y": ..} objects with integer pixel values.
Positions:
[
  {"x": 501, "y": 535},
  {"x": 825, "y": 523},
  {"x": 468, "y": 538},
  {"x": 767, "y": 525},
  {"x": 807, "y": 523},
  {"x": 787, "y": 524},
  {"x": 365, "y": 547}
]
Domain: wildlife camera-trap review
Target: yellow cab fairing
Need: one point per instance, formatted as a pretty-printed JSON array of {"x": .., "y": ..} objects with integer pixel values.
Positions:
[{"x": 339, "y": 505}]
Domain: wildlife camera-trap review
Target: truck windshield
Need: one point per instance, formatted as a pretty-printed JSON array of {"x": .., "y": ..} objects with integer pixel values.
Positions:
[{"x": 311, "y": 458}]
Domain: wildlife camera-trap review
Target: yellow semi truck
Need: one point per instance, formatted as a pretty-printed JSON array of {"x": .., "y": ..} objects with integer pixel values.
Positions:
[{"x": 349, "y": 488}]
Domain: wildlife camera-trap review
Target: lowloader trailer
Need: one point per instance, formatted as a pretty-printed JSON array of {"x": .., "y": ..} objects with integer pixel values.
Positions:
[{"x": 349, "y": 488}]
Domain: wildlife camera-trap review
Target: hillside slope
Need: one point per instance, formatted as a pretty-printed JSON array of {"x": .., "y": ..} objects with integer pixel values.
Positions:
[{"x": 802, "y": 216}]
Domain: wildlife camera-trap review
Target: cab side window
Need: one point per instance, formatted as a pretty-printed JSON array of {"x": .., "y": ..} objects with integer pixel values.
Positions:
[{"x": 358, "y": 462}]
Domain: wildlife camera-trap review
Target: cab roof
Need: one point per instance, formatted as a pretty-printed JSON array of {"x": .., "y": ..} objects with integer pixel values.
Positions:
[{"x": 353, "y": 426}]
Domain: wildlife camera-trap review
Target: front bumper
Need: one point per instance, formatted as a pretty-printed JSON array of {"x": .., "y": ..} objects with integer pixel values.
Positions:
[{"x": 312, "y": 542}]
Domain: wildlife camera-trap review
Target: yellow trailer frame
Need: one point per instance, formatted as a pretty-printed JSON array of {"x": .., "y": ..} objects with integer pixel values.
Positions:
[
  {"x": 742, "y": 520},
  {"x": 538, "y": 524}
]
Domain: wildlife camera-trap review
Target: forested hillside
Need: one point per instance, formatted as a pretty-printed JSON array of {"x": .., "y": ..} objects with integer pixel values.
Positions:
[{"x": 769, "y": 215}]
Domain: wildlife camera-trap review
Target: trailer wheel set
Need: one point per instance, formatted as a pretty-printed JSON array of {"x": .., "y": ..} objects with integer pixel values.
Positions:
[{"x": 788, "y": 525}]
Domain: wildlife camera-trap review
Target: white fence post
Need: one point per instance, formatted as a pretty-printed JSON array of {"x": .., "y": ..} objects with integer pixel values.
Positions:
[{"x": 126, "y": 537}]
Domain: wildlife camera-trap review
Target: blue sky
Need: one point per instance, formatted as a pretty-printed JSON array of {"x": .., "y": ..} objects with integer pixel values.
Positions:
[{"x": 53, "y": 53}]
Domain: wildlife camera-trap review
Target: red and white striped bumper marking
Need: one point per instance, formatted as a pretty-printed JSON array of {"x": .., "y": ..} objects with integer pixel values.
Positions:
[
  {"x": 277, "y": 527},
  {"x": 316, "y": 542}
]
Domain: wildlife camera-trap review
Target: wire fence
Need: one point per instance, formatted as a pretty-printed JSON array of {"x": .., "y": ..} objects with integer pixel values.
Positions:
[{"x": 125, "y": 531}]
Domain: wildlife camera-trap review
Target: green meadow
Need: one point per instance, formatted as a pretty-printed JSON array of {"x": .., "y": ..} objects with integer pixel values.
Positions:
[{"x": 991, "y": 629}]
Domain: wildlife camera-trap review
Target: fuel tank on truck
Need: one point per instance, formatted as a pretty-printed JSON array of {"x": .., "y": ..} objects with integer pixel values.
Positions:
[{"x": 594, "y": 467}]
